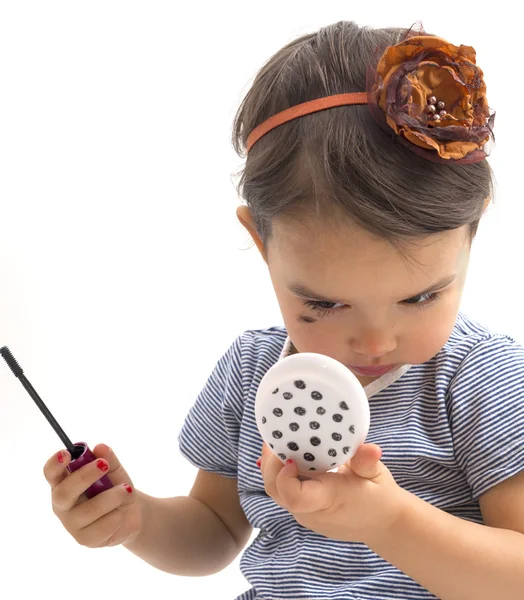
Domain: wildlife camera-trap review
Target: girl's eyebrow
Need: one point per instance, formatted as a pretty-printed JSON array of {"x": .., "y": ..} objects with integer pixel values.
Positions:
[{"x": 302, "y": 291}]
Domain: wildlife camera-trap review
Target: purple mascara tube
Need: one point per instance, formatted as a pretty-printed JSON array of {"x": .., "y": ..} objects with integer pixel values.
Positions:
[
  {"x": 80, "y": 453},
  {"x": 80, "y": 457}
]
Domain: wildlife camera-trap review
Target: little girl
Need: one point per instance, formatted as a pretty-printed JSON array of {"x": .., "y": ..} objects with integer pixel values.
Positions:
[{"x": 365, "y": 180}]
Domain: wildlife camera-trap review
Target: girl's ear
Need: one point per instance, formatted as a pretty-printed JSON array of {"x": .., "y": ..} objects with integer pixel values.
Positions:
[{"x": 246, "y": 219}]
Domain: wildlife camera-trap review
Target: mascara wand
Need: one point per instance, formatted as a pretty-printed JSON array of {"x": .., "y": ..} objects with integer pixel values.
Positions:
[
  {"x": 80, "y": 452},
  {"x": 19, "y": 372}
]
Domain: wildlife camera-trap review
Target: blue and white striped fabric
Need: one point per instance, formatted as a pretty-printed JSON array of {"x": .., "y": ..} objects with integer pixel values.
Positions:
[{"x": 450, "y": 429}]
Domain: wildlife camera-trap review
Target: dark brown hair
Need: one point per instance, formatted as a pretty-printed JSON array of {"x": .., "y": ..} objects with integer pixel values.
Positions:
[{"x": 339, "y": 162}]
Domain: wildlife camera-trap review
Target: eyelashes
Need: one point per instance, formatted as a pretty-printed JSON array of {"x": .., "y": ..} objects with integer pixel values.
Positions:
[
  {"x": 327, "y": 309},
  {"x": 322, "y": 308}
]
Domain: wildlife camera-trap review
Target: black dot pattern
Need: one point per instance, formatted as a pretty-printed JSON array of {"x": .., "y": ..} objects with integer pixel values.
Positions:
[{"x": 296, "y": 404}]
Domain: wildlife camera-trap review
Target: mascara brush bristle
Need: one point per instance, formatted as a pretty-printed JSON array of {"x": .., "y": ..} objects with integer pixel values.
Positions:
[{"x": 11, "y": 361}]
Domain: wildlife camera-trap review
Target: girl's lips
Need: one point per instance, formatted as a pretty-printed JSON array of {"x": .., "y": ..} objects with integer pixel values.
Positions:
[{"x": 373, "y": 372}]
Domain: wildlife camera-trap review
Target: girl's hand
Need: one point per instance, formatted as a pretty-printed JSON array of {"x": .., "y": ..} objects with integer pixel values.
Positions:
[
  {"x": 112, "y": 517},
  {"x": 356, "y": 504}
]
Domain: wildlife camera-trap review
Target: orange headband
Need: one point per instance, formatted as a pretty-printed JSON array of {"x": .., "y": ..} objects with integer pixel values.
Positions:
[
  {"x": 305, "y": 108},
  {"x": 429, "y": 92}
]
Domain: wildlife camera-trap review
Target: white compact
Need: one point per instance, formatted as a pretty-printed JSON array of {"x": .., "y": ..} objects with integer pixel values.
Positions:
[{"x": 312, "y": 409}]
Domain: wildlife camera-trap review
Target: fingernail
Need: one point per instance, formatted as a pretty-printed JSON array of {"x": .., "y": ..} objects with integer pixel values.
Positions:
[
  {"x": 128, "y": 488},
  {"x": 259, "y": 462},
  {"x": 289, "y": 461},
  {"x": 60, "y": 457},
  {"x": 102, "y": 465}
]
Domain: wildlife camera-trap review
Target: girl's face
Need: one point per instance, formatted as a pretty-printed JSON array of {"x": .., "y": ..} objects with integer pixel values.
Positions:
[{"x": 352, "y": 297}]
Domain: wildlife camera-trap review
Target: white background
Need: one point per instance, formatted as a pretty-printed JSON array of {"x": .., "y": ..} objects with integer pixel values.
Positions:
[{"x": 124, "y": 274}]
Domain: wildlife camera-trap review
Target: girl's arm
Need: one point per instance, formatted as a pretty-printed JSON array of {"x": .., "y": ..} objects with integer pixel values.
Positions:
[
  {"x": 457, "y": 559},
  {"x": 193, "y": 535}
]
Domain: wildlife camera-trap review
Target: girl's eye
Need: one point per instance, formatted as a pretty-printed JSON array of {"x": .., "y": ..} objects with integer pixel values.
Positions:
[
  {"x": 325, "y": 309},
  {"x": 427, "y": 299}
]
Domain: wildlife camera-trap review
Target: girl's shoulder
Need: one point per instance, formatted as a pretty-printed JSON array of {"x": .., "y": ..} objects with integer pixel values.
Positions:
[
  {"x": 469, "y": 337},
  {"x": 266, "y": 345},
  {"x": 482, "y": 366}
]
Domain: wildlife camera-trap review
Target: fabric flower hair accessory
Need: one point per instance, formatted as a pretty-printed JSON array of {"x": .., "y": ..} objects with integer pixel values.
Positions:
[{"x": 433, "y": 95}]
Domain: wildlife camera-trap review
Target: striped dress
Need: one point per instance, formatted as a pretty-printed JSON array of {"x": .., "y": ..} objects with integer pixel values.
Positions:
[{"x": 449, "y": 429}]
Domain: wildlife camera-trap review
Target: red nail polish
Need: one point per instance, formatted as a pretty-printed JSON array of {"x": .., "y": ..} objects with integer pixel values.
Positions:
[
  {"x": 259, "y": 462},
  {"x": 289, "y": 461},
  {"x": 128, "y": 488},
  {"x": 60, "y": 457},
  {"x": 102, "y": 465}
]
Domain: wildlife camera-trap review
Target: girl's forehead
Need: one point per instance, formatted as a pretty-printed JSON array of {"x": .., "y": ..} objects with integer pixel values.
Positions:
[
  {"x": 307, "y": 238},
  {"x": 331, "y": 253}
]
